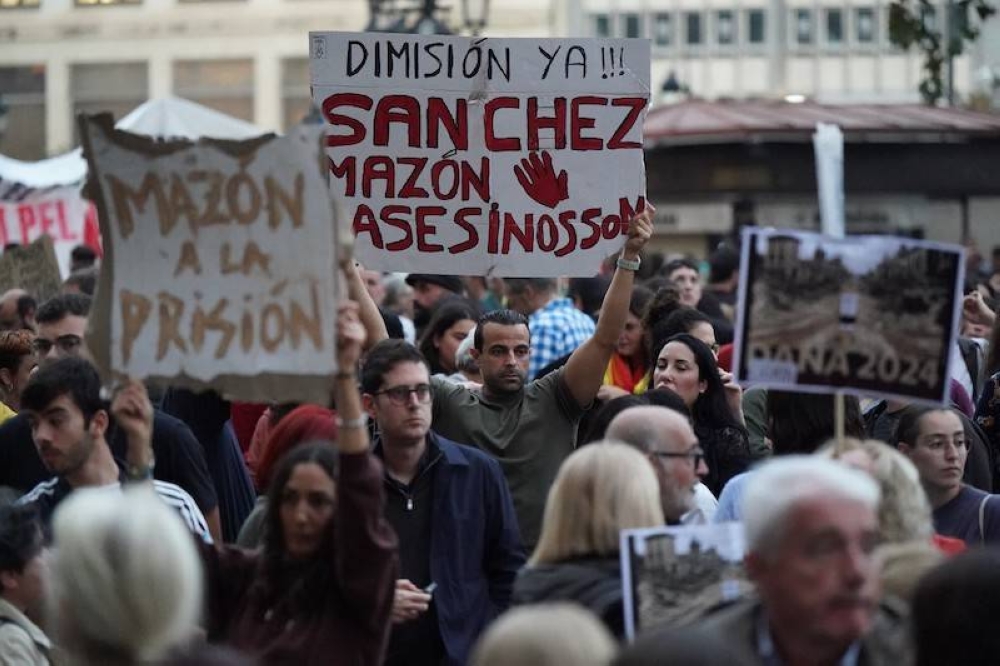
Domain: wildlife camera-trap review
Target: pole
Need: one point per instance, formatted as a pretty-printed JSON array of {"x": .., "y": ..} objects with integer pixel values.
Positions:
[{"x": 838, "y": 416}]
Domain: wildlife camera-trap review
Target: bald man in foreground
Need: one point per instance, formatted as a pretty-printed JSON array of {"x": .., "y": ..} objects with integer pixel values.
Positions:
[{"x": 668, "y": 441}]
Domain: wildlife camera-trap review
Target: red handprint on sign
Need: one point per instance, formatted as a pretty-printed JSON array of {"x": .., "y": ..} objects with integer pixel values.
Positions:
[{"x": 539, "y": 180}]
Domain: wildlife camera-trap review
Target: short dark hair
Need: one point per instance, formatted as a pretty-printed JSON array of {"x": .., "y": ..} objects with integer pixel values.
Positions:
[
  {"x": 802, "y": 422},
  {"x": 723, "y": 263},
  {"x": 385, "y": 356},
  {"x": 21, "y": 537},
  {"x": 683, "y": 262},
  {"x": 84, "y": 279},
  {"x": 590, "y": 291},
  {"x": 26, "y": 304},
  {"x": 60, "y": 306},
  {"x": 72, "y": 376},
  {"x": 681, "y": 320},
  {"x": 83, "y": 254},
  {"x": 501, "y": 318}
]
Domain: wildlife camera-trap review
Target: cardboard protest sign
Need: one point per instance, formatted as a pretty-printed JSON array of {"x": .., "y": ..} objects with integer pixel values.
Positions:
[
  {"x": 33, "y": 268},
  {"x": 219, "y": 262},
  {"x": 60, "y": 212},
  {"x": 672, "y": 576},
  {"x": 511, "y": 157},
  {"x": 876, "y": 314}
]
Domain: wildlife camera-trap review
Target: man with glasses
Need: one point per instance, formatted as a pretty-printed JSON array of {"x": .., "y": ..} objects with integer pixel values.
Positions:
[
  {"x": 180, "y": 459},
  {"x": 459, "y": 545},
  {"x": 935, "y": 442},
  {"x": 670, "y": 445}
]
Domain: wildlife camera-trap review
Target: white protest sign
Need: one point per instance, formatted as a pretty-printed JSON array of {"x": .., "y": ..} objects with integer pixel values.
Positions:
[
  {"x": 60, "y": 212},
  {"x": 511, "y": 157},
  {"x": 219, "y": 262}
]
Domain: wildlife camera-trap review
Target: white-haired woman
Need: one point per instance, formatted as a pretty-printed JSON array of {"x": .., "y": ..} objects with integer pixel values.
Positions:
[
  {"x": 600, "y": 490},
  {"x": 126, "y": 578}
]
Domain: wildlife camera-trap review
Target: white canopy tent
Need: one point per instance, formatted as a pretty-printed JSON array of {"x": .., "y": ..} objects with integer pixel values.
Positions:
[{"x": 169, "y": 117}]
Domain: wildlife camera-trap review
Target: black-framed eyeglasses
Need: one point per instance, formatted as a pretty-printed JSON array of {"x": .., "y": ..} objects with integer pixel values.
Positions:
[
  {"x": 695, "y": 455},
  {"x": 400, "y": 395},
  {"x": 67, "y": 344}
]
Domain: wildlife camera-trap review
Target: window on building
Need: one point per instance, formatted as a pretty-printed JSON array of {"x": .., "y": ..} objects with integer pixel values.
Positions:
[
  {"x": 117, "y": 87},
  {"x": 803, "y": 26},
  {"x": 929, "y": 16},
  {"x": 22, "y": 125},
  {"x": 692, "y": 24},
  {"x": 19, "y": 4},
  {"x": 834, "y": 26},
  {"x": 295, "y": 100},
  {"x": 224, "y": 85},
  {"x": 633, "y": 25},
  {"x": 725, "y": 27},
  {"x": 864, "y": 24},
  {"x": 663, "y": 29},
  {"x": 602, "y": 25},
  {"x": 756, "y": 32}
]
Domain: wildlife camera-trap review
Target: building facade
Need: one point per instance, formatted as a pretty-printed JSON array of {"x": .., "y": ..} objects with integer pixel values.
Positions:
[
  {"x": 831, "y": 51},
  {"x": 247, "y": 58}
]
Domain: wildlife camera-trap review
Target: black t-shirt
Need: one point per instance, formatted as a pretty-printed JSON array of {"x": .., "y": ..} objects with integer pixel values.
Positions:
[{"x": 179, "y": 457}]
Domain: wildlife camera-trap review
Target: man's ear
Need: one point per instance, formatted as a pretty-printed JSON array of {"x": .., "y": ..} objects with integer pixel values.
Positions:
[
  {"x": 8, "y": 580},
  {"x": 905, "y": 449},
  {"x": 475, "y": 353},
  {"x": 99, "y": 423},
  {"x": 6, "y": 381}
]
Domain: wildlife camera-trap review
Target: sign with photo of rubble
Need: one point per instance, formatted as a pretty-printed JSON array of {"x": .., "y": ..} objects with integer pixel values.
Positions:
[{"x": 874, "y": 314}]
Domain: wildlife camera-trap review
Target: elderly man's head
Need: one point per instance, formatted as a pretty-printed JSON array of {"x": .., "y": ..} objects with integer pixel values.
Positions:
[
  {"x": 668, "y": 441},
  {"x": 811, "y": 529}
]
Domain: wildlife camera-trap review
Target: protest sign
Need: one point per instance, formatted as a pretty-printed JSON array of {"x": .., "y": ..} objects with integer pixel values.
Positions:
[
  {"x": 220, "y": 262},
  {"x": 60, "y": 212},
  {"x": 672, "y": 576},
  {"x": 509, "y": 157},
  {"x": 876, "y": 314},
  {"x": 33, "y": 268}
]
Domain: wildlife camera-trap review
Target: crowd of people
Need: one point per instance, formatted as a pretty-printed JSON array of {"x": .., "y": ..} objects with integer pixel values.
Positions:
[{"x": 461, "y": 498}]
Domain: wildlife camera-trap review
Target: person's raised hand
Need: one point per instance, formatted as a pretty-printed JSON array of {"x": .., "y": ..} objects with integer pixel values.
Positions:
[
  {"x": 640, "y": 229},
  {"x": 409, "y": 602},
  {"x": 133, "y": 412},
  {"x": 974, "y": 309}
]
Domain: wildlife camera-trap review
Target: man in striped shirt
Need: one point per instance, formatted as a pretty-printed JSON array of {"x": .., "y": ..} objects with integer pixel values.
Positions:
[{"x": 68, "y": 423}]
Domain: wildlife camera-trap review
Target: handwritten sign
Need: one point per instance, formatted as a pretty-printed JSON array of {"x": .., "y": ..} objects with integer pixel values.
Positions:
[
  {"x": 221, "y": 258},
  {"x": 512, "y": 157},
  {"x": 873, "y": 313},
  {"x": 60, "y": 212},
  {"x": 32, "y": 268}
]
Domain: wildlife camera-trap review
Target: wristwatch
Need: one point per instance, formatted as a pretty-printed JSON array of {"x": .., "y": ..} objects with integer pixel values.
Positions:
[{"x": 629, "y": 265}]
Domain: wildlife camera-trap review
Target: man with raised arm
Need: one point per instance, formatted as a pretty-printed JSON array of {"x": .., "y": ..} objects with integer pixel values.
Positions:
[{"x": 531, "y": 427}]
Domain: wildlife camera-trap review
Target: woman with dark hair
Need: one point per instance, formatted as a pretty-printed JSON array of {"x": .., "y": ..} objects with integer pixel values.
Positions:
[
  {"x": 628, "y": 369},
  {"x": 797, "y": 423},
  {"x": 449, "y": 326},
  {"x": 684, "y": 320},
  {"x": 320, "y": 589},
  {"x": 686, "y": 366},
  {"x": 17, "y": 361}
]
